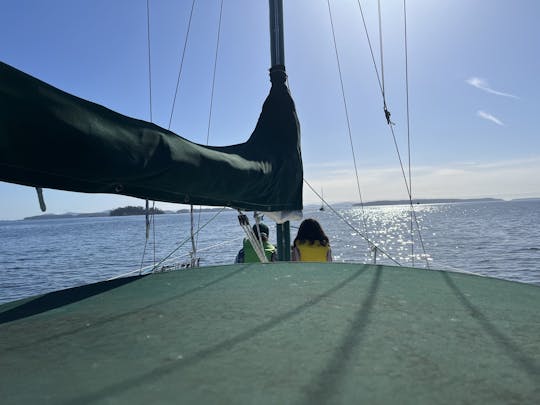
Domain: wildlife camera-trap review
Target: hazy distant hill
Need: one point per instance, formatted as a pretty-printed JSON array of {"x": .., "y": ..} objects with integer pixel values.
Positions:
[
  {"x": 429, "y": 201},
  {"x": 70, "y": 215},
  {"x": 129, "y": 210}
]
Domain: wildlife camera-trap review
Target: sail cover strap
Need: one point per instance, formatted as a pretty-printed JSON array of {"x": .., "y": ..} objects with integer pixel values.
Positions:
[{"x": 51, "y": 139}]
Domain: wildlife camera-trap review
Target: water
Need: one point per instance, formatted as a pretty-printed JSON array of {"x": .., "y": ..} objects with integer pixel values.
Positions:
[{"x": 498, "y": 239}]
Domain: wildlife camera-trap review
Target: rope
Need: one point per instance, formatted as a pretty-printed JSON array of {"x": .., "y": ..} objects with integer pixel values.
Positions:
[
  {"x": 255, "y": 243},
  {"x": 346, "y": 112},
  {"x": 181, "y": 63},
  {"x": 259, "y": 240}
]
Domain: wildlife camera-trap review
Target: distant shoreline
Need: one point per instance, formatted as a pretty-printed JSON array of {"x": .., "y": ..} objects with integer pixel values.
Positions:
[
  {"x": 367, "y": 204},
  {"x": 111, "y": 213},
  {"x": 432, "y": 201}
]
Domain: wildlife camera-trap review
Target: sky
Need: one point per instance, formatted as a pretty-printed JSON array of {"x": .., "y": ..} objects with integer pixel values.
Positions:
[{"x": 472, "y": 87}]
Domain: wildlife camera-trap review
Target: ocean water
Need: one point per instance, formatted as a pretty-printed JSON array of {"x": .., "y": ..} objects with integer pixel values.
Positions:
[{"x": 497, "y": 239}]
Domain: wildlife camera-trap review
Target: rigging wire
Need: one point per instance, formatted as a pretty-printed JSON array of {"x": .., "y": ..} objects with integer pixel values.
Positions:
[
  {"x": 188, "y": 30},
  {"x": 408, "y": 121},
  {"x": 147, "y": 220},
  {"x": 154, "y": 227},
  {"x": 194, "y": 260},
  {"x": 346, "y": 112},
  {"x": 370, "y": 47},
  {"x": 187, "y": 239},
  {"x": 212, "y": 95},
  {"x": 381, "y": 53},
  {"x": 210, "y": 247},
  {"x": 391, "y": 126},
  {"x": 372, "y": 244},
  {"x": 380, "y": 79},
  {"x": 149, "y": 223},
  {"x": 214, "y": 73},
  {"x": 181, "y": 63}
]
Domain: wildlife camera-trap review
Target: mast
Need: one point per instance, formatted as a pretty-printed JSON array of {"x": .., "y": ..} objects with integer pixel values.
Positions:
[{"x": 277, "y": 54}]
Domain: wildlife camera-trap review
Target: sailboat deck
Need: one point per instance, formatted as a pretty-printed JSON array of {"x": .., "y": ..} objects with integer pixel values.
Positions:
[{"x": 276, "y": 333}]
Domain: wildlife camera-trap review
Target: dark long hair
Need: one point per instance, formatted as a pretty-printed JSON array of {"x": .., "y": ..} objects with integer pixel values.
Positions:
[{"x": 310, "y": 231}]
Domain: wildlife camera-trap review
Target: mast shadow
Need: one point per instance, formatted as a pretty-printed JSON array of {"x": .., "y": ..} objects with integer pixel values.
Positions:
[
  {"x": 322, "y": 389},
  {"x": 225, "y": 345},
  {"x": 510, "y": 348},
  {"x": 129, "y": 313},
  {"x": 57, "y": 299}
]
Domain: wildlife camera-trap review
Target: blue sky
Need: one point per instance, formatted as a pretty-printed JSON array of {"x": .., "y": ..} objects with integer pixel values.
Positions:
[{"x": 473, "y": 90}]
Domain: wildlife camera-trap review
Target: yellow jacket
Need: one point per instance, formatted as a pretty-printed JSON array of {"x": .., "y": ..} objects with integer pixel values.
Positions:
[{"x": 306, "y": 252}]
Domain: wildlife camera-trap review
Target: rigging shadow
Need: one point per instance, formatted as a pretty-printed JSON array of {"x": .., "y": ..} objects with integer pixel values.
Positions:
[
  {"x": 225, "y": 345},
  {"x": 511, "y": 349},
  {"x": 322, "y": 389},
  {"x": 61, "y": 298},
  {"x": 135, "y": 311}
]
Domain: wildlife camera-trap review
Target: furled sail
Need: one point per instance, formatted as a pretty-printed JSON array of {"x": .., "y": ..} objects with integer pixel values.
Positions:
[{"x": 51, "y": 139}]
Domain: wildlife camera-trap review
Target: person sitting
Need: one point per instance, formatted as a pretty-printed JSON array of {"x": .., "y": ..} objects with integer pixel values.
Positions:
[
  {"x": 311, "y": 243},
  {"x": 248, "y": 255}
]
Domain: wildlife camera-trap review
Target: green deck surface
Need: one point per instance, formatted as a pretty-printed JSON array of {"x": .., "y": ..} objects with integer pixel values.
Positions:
[{"x": 276, "y": 333}]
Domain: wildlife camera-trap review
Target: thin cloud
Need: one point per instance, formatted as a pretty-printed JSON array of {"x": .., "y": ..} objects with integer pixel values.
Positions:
[
  {"x": 483, "y": 85},
  {"x": 511, "y": 178},
  {"x": 489, "y": 117}
]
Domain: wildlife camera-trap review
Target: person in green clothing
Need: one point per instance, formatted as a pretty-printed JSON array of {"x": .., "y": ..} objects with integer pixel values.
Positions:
[{"x": 247, "y": 253}]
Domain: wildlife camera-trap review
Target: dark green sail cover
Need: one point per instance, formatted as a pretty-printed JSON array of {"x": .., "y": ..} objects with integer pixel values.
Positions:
[{"x": 52, "y": 139}]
